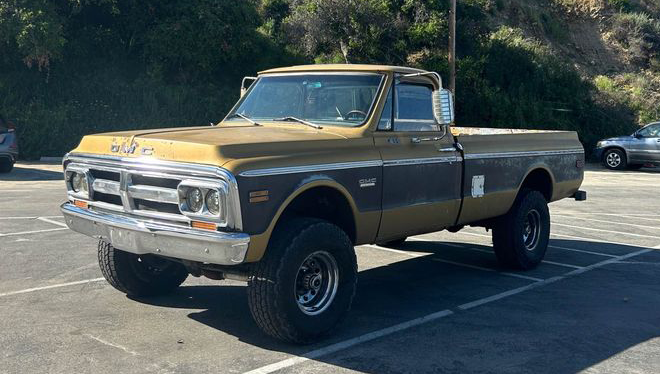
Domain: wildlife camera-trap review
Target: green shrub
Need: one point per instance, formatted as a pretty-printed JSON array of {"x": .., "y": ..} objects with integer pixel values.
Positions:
[
  {"x": 639, "y": 35},
  {"x": 638, "y": 91}
]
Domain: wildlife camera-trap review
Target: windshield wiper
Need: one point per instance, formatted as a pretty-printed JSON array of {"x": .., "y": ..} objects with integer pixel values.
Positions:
[
  {"x": 289, "y": 118},
  {"x": 234, "y": 115}
]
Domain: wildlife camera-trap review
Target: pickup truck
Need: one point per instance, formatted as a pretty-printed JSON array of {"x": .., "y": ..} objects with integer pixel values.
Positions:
[{"x": 311, "y": 162}]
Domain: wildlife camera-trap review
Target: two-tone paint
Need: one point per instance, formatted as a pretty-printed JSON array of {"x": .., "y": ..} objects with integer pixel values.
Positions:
[{"x": 392, "y": 184}]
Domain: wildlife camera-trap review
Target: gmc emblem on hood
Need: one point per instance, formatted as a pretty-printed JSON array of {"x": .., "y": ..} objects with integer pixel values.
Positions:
[{"x": 125, "y": 148}]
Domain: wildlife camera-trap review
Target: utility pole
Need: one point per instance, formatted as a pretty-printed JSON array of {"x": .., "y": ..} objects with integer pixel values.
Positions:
[{"x": 452, "y": 47}]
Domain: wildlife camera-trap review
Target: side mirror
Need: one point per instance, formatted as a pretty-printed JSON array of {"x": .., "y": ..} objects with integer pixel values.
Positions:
[
  {"x": 443, "y": 106},
  {"x": 245, "y": 88},
  {"x": 638, "y": 135}
]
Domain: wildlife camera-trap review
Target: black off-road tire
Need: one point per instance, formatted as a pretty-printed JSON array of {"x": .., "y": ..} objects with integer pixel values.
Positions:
[
  {"x": 394, "y": 243},
  {"x": 139, "y": 275},
  {"x": 615, "y": 154},
  {"x": 272, "y": 283},
  {"x": 509, "y": 232},
  {"x": 6, "y": 166}
]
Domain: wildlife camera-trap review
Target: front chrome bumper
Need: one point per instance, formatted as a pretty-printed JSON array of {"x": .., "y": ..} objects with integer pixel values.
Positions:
[{"x": 143, "y": 237}]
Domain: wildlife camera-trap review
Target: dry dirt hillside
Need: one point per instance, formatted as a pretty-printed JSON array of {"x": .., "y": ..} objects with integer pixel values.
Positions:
[{"x": 614, "y": 43}]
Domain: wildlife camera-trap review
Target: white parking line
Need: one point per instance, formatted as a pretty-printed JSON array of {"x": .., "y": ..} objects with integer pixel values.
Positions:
[
  {"x": 405, "y": 253},
  {"x": 51, "y": 286},
  {"x": 608, "y": 231},
  {"x": 610, "y": 222},
  {"x": 292, "y": 361},
  {"x": 644, "y": 218},
  {"x": 132, "y": 353},
  {"x": 350, "y": 342},
  {"x": 614, "y": 214},
  {"x": 475, "y": 267},
  {"x": 553, "y": 246},
  {"x": 544, "y": 261},
  {"x": 502, "y": 295},
  {"x": 33, "y": 232},
  {"x": 581, "y": 251},
  {"x": 30, "y": 217},
  {"x": 562, "y": 264},
  {"x": 52, "y": 221},
  {"x": 487, "y": 269}
]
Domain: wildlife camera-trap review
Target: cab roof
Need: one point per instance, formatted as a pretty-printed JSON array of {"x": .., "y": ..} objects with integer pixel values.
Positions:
[{"x": 344, "y": 67}]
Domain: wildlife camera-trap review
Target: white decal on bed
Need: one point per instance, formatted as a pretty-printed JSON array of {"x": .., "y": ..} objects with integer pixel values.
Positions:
[{"x": 478, "y": 182}]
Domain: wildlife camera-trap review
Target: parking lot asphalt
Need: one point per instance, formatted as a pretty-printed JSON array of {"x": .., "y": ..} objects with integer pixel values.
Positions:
[{"x": 438, "y": 303}]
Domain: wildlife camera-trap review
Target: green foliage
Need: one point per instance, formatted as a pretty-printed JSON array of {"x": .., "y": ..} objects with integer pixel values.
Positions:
[
  {"x": 74, "y": 67},
  {"x": 124, "y": 64},
  {"x": 519, "y": 83},
  {"x": 639, "y": 91},
  {"x": 639, "y": 35}
]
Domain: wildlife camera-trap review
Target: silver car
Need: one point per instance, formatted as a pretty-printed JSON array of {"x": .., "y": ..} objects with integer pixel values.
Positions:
[
  {"x": 632, "y": 152},
  {"x": 8, "y": 145}
]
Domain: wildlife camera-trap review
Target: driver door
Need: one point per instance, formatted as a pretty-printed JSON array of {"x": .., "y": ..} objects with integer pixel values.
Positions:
[
  {"x": 421, "y": 166},
  {"x": 646, "y": 148}
]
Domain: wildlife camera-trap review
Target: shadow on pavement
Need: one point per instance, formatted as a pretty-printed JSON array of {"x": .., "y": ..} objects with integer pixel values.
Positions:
[
  {"x": 567, "y": 326},
  {"x": 21, "y": 173}
]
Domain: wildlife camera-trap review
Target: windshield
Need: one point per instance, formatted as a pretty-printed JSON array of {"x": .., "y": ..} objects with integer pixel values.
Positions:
[{"x": 327, "y": 99}]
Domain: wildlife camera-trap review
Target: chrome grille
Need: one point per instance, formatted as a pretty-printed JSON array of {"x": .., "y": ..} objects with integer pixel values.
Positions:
[
  {"x": 127, "y": 196},
  {"x": 148, "y": 188}
]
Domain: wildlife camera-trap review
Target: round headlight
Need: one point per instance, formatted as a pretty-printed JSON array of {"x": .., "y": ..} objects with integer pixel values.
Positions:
[
  {"x": 78, "y": 182},
  {"x": 195, "y": 199},
  {"x": 213, "y": 202}
]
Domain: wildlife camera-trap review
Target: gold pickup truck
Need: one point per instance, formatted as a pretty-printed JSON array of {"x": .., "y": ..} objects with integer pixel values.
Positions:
[{"x": 311, "y": 161}]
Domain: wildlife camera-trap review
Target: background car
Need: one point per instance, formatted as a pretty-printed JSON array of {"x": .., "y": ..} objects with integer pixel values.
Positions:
[
  {"x": 632, "y": 152},
  {"x": 8, "y": 145}
]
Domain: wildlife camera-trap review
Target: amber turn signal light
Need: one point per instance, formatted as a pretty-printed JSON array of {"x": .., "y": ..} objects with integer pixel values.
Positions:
[
  {"x": 204, "y": 225},
  {"x": 81, "y": 204}
]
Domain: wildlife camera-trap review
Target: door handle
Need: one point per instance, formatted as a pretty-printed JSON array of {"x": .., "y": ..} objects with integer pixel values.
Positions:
[{"x": 431, "y": 139}]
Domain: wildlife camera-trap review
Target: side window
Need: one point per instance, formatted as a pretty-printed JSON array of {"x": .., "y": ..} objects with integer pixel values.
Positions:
[
  {"x": 652, "y": 131},
  {"x": 385, "y": 122},
  {"x": 413, "y": 108}
]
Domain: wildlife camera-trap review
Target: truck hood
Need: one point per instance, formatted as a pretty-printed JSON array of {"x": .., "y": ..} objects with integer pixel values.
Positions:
[{"x": 212, "y": 145}]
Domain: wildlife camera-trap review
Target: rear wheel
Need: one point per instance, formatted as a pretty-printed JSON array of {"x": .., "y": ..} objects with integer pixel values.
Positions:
[
  {"x": 6, "y": 165},
  {"x": 305, "y": 283},
  {"x": 139, "y": 275},
  {"x": 615, "y": 159},
  {"x": 520, "y": 238}
]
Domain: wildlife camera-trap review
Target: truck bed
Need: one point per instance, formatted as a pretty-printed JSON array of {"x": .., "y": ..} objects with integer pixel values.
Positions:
[{"x": 497, "y": 161}]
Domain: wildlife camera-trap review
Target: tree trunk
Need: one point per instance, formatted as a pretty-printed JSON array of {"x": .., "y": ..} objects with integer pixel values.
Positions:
[{"x": 344, "y": 50}]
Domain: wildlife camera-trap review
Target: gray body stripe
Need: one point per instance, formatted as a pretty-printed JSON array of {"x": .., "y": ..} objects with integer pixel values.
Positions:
[
  {"x": 421, "y": 161},
  {"x": 476, "y": 156},
  {"x": 311, "y": 168},
  {"x": 410, "y": 161}
]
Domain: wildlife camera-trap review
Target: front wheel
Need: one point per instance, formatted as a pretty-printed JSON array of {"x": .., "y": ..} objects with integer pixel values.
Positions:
[
  {"x": 139, "y": 275},
  {"x": 614, "y": 159},
  {"x": 520, "y": 238},
  {"x": 305, "y": 283}
]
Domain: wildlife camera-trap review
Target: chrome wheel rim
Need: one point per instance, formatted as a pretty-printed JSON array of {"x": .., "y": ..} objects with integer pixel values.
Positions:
[
  {"x": 613, "y": 159},
  {"x": 532, "y": 230},
  {"x": 316, "y": 283}
]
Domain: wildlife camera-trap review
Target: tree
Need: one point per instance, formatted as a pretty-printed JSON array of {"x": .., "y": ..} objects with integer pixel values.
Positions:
[{"x": 347, "y": 26}]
